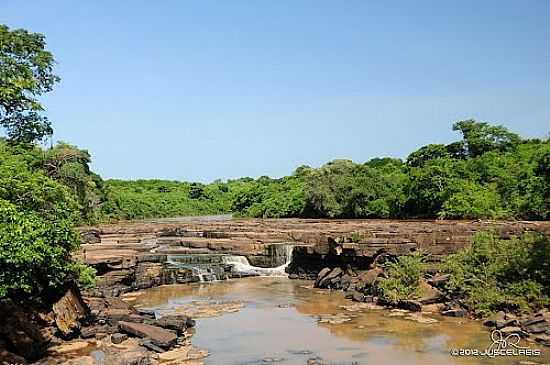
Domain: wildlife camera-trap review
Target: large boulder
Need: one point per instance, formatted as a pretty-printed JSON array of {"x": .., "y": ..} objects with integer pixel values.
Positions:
[
  {"x": 324, "y": 272},
  {"x": 330, "y": 278},
  {"x": 157, "y": 335},
  {"x": 69, "y": 311}
]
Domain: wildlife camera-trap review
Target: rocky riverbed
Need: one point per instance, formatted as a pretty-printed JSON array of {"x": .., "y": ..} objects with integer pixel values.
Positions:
[{"x": 340, "y": 258}]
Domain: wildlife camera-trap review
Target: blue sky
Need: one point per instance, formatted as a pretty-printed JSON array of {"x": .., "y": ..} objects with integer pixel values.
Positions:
[{"x": 199, "y": 90}]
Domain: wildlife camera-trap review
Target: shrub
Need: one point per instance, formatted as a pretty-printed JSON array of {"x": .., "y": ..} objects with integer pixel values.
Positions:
[
  {"x": 493, "y": 274},
  {"x": 403, "y": 278}
]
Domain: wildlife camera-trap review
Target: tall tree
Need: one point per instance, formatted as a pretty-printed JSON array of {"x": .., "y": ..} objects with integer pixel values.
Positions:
[{"x": 26, "y": 72}]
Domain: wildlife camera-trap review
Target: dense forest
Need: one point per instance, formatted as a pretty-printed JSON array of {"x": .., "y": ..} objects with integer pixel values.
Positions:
[
  {"x": 45, "y": 192},
  {"x": 489, "y": 173}
]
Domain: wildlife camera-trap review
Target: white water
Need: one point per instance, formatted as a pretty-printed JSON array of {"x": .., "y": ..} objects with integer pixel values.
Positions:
[{"x": 242, "y": 266}]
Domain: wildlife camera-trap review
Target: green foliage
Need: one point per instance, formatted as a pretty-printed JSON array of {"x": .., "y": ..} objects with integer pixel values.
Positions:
[
  {"x": 403, "y": 278},
  {"x": 494, "y": 274},
  {"x": 471, "y": 200},
  {"x": 86, "y": 275},
  {"x": 492, "y": 173},
  {"x": 37, "y": 216},
  {"x": 70, "y": 166},
  {"x": 427, "y": 153},
  {"x": 480, "y": 138},
  {"x": 26, "y": 72}
]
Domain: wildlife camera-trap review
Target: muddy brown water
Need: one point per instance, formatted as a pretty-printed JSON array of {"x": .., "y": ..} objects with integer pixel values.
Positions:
[{"x": 277, "y": 320}]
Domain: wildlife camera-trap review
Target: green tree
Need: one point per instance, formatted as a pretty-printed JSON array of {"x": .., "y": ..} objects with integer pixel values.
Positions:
[
  {"x": 26, "y": 72},
  {"x": 480, "y": 137}
]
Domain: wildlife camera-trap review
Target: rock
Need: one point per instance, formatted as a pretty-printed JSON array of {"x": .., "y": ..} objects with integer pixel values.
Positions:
[
  {"x": 293, "y": 276},
  {"x": 158, "y": 336},
  {"x": 490, "y": 322},
  {"x": 178, "y": 323},
  {"x": 357, "y": 296},
  {"x": 146, "y": 313},
  {"x": 533, "y": 320},
  {"x": 506, "y": 323},
  {"x": 345, "y": 281},
  {"x": 411, "y": 305},
  {"x": 69, "y": 311},
  {"x": 512, "y": 329},
  {"x": 69, "y": 347},
  {"x": 543, "y": 339},
  {"x": 430, "y": 295},
  {"x": 438, "y": 280},
  {"x": 21, "y": 333},
  {"x": 117, "y": 338},
  {"x": 182, "y": 355},
  {"x": 335, "y": 273},
  {"x": 536, "y": 328},
  {"x": 456, "y": 312},
  {"x": 148, "y": 344},
  {"x": 324, "y": 272},
  {"x": 91, "y": 331}
]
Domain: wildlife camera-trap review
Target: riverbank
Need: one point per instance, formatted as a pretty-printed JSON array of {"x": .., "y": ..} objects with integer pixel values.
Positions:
[{"x": 335, "y": 254}]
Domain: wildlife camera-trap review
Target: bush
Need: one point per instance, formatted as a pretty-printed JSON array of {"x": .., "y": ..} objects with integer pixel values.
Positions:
[
  {"x": 37, "y": 236},
  {"x": 403, "y": 278},
  {"x": 493, "y": 274},
  {"x": 34, "y": 252}
]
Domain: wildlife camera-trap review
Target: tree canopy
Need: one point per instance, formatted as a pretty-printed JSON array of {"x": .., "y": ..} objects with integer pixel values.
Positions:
[{"x": 26, "y": 72}]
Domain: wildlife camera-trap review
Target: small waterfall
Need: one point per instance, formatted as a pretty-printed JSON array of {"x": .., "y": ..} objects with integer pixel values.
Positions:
[{"x": 242, "y": 266}]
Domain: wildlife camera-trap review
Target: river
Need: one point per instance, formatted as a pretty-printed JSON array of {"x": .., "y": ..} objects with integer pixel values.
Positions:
[{"x": 264, "y": 320}]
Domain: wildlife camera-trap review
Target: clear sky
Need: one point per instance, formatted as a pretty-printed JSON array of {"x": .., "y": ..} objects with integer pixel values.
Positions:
[{"x": 199, "y": 90}]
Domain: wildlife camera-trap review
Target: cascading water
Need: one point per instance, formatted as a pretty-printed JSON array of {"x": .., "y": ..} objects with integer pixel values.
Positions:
[
  {"x": 203, "y": 267},
  {"x": 242, "y": 266}
]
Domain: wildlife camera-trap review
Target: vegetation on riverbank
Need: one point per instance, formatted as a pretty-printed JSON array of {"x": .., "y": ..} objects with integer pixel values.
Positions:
[
  {"x": 488, "y": 276},
  {"x": 493, "y": 274}
]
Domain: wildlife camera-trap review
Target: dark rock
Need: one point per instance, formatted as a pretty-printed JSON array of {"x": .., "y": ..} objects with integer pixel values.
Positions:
[
  {"x": 490, "y": 322},
  {"x": 158, "y": 336},
  {"x": 533, "y": 320},
  {"x": 506, "y": 323},
  {"x": 148, "y": 343},
  {"x": 456, "y": 312},
  {"x": 335, "y": 273},
  {"x": 536, "y": 328},
  {"x": 178, "y": 323},
  {"x": 438, "y": 280},
  {"x": 357, "y": 296},
  {"x": 147, "y": 313},
  {"x": 513, "y": 329},
  {"x": 412, "y": 305},
  {"x": 345, "y": 282},
  {"x": 543, "y": 339},
  {"x": 24, "y": 336},
  {"x": 324, "y": 272},
  {"x": 118, "y": 337}
]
